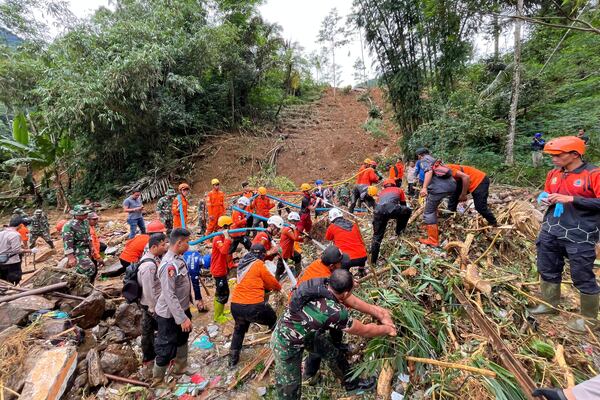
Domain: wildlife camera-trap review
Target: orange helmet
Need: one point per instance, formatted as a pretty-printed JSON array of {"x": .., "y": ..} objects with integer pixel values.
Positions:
[
  {"x": 389, "y": 182},
  {"x": 156, "y": 227},
  {"x": 183, "y": 186},
  {"x": 565, "y": 144}
]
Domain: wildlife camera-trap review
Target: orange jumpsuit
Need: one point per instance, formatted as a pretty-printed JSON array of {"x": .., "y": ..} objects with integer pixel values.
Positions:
[
  {"x": 215, "y": 207},
  {"x": 262, "y": 206},
  {"x": 95, "y": 244},
  {"x": 175, "y": 211},
  {"x": 24, "y": 232}
]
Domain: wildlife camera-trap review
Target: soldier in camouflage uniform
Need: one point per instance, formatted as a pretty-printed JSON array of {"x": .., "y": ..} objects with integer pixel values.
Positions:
[
  {"x": 343, "y": 196},
  {"x": 316, "y": 306},
  {"x": 39, "y": 227},
  {"x": 202, "y": 216},
  {"x": 163, "y": 208},
  {"x": 78, "y": 243},
  {"x": 18, "y": 212}
]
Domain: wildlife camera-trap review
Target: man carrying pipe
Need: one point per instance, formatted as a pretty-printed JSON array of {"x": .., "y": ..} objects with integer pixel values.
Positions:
[
  {"x": 219, "y": 268},
  {"x": 306, "y": 206}
]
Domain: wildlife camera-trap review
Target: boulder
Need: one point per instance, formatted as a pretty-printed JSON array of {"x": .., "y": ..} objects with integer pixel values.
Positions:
[
  {"x": 118, "y": 360},
  {"x": 115, "y": 335},
  {"x": 128, "y": 318},
  {"x": 111, "y": 270},
  {"x": 99, "y": 331},
  {"x": 44, "y": 254},
  {"x": 95, "y": 374},
  {"x": 49, "y": 377},
  {"x": 10, "y": 315},
  {"x": 34, "y": 303},
  {"x": 89, "y": 312},
  {"x": 51, "y": 327}
]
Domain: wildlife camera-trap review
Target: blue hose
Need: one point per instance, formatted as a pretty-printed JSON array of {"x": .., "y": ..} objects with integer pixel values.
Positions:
[
  {"x": 253, "y": 215},
  {"x": 297, "y": 206},
  {"x": 181, "y": 216},
  {"x": 212, "y": 235}
]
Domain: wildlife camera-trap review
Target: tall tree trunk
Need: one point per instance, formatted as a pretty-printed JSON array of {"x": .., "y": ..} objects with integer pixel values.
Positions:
[
  {"x": 496, "y": 33},
  {"x": 362, "y": 56},
  {"x": 512, "y": 121},
  {"x": 333, "y": 68}
]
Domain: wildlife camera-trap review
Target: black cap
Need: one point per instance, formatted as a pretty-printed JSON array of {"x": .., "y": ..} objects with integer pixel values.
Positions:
[
  {"x": 332, "y": 255},
  {"x": 258, "y": 249},
  {"x": 421, "y": 150}
]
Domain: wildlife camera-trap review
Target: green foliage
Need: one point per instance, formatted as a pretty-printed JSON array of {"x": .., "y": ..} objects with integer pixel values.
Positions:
[
  {"x": 375, "y": 112},
  {"x": 374, "y": 127},
  {"x": 138, "y": 87}
]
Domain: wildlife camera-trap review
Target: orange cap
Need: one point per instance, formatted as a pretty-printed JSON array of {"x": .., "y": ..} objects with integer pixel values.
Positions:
[
  {"x": 565, "y": 144},
  {"x": 389, "y": 182}
]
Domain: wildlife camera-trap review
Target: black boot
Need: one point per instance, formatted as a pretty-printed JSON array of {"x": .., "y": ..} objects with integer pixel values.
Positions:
[
  {"x": 550, "y": 393},
  {"x": 234, "y": 358},
  {"x": 360, "y": 384}
]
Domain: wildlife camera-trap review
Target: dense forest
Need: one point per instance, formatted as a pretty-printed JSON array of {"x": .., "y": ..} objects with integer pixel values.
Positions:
[{"x": 132, "y": 91}]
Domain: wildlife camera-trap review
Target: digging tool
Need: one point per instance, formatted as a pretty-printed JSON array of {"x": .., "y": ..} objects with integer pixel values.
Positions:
[{"x": 290, "y": 274}]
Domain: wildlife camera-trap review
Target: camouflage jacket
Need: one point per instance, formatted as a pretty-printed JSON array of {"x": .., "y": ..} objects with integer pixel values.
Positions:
[
  {"x": 163, "y": 208},
  {"x": 76, "y": 237},
  {"x": 39, "y": 224},
  {"x": 343, "y": 192},
  {"x": 294, "y": 330}
]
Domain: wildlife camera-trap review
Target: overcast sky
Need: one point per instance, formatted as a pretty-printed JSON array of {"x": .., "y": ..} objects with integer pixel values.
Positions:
[{"x": 301, "y": 21}]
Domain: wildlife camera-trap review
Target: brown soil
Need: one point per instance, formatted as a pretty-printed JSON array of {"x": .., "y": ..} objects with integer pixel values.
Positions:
[{"x": 321, "y": 140}]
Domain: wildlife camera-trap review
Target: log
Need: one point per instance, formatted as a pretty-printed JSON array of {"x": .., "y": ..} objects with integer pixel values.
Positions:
[
  {"x": 55, "y": 294},
  {"x": 384, "y": 383},
  {"x": 126, "y": 380},
  {"x": 263, "y": 355},
  {"x": 443, "y": 364},
  {"x": 373, "y": 274},
  {"x": 560, "y": 360},
  {"x": 44, "y": 289},
  {"x": 268, "y": 365}
]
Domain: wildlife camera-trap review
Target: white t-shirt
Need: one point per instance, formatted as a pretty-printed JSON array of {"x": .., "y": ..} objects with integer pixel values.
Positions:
[{"x": 10, "y": 243}]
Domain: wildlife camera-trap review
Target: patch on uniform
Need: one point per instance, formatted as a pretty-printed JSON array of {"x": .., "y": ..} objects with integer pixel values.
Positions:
[
  {"x": 577, "y": 183},
  {"x": 171, "y": 270},
  {"x": 554, "y": 180}
]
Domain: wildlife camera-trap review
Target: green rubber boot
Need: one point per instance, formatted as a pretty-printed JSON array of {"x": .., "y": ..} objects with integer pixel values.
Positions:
[
  {"x": 589, "y": 309},
  {"x": 220, "y": 316},
  {"x": 551, "y": 295},
  {"x": 158, "y": 375}
]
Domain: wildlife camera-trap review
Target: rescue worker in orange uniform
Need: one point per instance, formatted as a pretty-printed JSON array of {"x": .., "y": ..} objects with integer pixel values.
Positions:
[
  {"x": 366, "y": 177},
  {"x": 24, "y": 232},
  {"x": 397, "y": 173},
  {"x": 306, "y": 206},
  {"x": 97, "y": 247},
  {"x": 331, "y": 259},
  {"x": 239, "y": 221},
  {"x": 290, "y": 235},
  {"x": 262, "y": 206},
  {"x": 471, "y": 180},
  {"x": 248, "y": 302},
  {"x": 219, "y": 268},
  {"x": 274, "y": 226},
  {"x": 180, "y": 206},
  {"x": 248, "y": 193},
  {"x": 346, "y": 236},
  {"x": 215, "y": 206},
  {"x": 134, "y": 248},
  {"x": 570, "y": 230}
]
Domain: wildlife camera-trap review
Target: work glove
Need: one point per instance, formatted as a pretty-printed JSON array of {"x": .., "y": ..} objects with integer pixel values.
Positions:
[
  {"x": 542, "y": 196},
  {"x": 550, "y": 393},
  {"x": 558, "y": 210}
]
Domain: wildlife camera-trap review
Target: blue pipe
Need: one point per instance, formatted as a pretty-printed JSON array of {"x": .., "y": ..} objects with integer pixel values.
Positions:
[
  {"x": 212, "y": 235},
  {"x": 253, "y": 215},
  {"x": 318, "y": 209}
]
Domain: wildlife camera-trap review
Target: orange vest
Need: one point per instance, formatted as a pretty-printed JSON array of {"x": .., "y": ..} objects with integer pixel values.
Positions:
[
  {"x": 95, "y": 243},
  {"x": 134, "y": 248},
  {"x": 251, "y": 290},
  {"x": 262, "y": 206},
  {"x": 175, "y": 211},
  {"x": 215, "y": 203},
  {"x": 315, "y": 270},
  {"x": 239, "y": 221}
]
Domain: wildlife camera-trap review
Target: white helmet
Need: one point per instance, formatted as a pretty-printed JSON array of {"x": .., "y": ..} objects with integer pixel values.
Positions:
[
  {"x": 243, "y": 201},
  {"x": 275, "y": 220},
  {"x": 293, "y": 216},
  {"x": 334, "y": 214}
]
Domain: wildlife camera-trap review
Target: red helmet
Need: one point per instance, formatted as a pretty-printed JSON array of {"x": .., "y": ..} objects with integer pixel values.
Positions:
[
  {"x": 565, "y": 144},
  {"x": 389, "y": 182},
  {"x": 156, "y": 227}
]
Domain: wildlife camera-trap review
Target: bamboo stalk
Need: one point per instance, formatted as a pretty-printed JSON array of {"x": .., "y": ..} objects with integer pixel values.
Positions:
[
  {"x": 475, "y": 370},
  {"x": 560, "y": 360},
  {"x": 41, "y": 290}
]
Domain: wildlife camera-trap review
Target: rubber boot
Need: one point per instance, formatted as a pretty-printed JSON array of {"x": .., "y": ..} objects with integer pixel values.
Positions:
[
  {"x": 550, "y": 393},
  {"x": 220, "y": 316},
  {"x": 432, "y": 236},
  {"x": 360, "y": 384},
  {"x": 589, "y": 309},
  {"x": 234, "y": 358},
  {"x": 158, "y": 375},
  {"x": 146, "y": 372},
  {"x": 180, "y": 362},
  {"x": 551, "y": 295}
]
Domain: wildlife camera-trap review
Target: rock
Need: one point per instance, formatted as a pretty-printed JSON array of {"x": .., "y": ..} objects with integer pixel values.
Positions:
[
  {"x": 99, "y": 331},
  {"x": 95, "y": 374},
  {"x": 410, "y": 272},
  {"x": 10, "y": 315},
  {"x": 89, "y": 312},
  {"x": 8, "y": 332},
  {"x": 51, "y": 327},
  {"x": 115, "y": 335},
  {"x": 79, "y": 382},
  {"x": 261, "y": 391},
  {"x": 44, "y": 255},
  {"x": 110, "y": 308},
  {"x": 128, "y": 318},
  {"x": 63, "y": 262},
  {"x": 114, "y": 269},
  {"x": 34, "y": 303},
  {"x": 49, "y": 377},
  {"x": 118, "y": 360},
  {"x": 67, "y": 305}
]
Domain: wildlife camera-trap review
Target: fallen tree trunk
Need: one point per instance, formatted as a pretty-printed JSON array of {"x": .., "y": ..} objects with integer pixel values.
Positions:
[
  {"x": 31, "y": 292},
  {"x": 56, "y": 294}
]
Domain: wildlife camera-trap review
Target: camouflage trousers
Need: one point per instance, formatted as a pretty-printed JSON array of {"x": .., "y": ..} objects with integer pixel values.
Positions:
[
  {"x": 44, "y": 235},
  {"x": 85, "y": 266},
  {"x": 288, "y": 363}
]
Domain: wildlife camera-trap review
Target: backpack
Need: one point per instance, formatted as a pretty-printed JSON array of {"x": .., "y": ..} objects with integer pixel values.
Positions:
[
  {"x": 440, "y": 170},
  {"x": 132, "y": 291}
]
